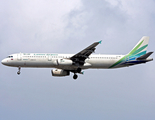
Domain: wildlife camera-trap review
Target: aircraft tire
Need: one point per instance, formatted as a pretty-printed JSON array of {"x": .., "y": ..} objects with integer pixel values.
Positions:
[
  {"x": 75, "y": 76},
  {"x": 18, "y": 73}
]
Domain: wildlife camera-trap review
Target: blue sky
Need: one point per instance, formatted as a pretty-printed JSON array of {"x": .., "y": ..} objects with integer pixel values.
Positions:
[{"x": 68, "y": 27}]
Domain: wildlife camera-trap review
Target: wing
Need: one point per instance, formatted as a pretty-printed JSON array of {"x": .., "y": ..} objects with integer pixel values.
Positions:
[{"x": 79, "y": 58}]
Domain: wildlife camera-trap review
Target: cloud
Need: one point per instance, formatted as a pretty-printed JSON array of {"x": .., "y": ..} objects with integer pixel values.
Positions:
[
  {"x": 115, "y": 22},
  {"x": 95, "y": 21},
  {"x": 34, "y": 23}
]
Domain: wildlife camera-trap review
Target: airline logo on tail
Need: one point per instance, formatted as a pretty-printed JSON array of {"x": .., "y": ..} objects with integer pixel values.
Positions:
[
  {"x": 141, "y": 47},
  {"x": 139, "y": 50}
]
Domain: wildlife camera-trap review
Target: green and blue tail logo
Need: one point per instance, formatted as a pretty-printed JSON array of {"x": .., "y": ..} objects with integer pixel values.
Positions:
[{"x": 139, "y": 50}]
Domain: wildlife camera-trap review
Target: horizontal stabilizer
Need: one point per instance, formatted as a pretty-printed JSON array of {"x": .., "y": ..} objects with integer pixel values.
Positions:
[{"x": 144, "y": 56}]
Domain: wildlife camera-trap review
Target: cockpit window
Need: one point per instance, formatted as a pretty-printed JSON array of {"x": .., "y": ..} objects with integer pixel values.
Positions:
[{"x": 10, "y": 57}]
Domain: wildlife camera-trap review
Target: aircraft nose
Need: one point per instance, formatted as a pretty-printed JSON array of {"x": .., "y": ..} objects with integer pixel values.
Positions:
[{"x": 3, "y": 61}]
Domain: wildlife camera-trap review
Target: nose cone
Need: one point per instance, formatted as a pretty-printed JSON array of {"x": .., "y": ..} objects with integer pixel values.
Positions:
[{"x": 4, "y": 62}]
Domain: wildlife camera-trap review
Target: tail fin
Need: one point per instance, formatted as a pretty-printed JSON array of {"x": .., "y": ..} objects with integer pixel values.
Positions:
[{"x": 141, "y": 47}]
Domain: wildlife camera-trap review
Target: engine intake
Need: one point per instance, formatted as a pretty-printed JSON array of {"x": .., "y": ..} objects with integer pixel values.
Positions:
[{"x": 60, "y": 72}]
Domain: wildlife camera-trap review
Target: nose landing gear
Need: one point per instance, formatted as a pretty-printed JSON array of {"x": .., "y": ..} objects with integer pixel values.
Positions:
[{"x": 19, "y": 70}]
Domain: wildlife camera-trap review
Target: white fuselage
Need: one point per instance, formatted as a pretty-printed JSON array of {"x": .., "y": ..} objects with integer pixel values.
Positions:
[
  {"x": 52, "y": 60},
  {"x": 75, "y": 63}
]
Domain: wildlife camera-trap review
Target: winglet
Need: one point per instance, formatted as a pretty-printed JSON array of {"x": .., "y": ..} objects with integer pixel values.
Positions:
[
  {"x": 100, "y": 41},
  {"x": 82, "y": 72}
]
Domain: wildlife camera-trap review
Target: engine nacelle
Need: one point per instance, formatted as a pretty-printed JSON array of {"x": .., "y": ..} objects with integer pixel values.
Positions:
[
  {"x": 65, "y": 62},
  {"x": 60, "y": 72}
]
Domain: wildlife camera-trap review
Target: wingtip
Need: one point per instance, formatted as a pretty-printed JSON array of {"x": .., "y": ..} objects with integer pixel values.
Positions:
[
  {"x": 100, "y": 41},
  {"x": 82, "y": 73}
]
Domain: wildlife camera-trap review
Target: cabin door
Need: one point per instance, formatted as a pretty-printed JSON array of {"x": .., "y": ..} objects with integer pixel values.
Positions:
[
  {"x": 19, "y": 56},
  {"x": 49, "y": 58}
]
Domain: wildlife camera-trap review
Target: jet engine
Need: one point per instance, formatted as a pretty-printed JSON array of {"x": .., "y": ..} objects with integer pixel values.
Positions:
[{"x": 60, "y": 72}]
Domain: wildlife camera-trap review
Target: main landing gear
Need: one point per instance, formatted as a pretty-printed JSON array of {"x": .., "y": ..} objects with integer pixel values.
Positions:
[
  {"x": 75, "y": 76},
  {"x": 78, "y": 70},
  {"x": 19, "y": 70}
]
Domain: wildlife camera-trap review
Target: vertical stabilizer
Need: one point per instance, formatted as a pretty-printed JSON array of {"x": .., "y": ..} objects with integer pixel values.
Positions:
[{"x": 141, "y": 47}]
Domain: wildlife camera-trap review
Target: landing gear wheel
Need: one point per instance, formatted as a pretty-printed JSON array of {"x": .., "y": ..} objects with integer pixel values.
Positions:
[
  {"x": 79, "y": 70},
  {"x": 18, "y": 72},
  {"x": 75, "y": 76}
]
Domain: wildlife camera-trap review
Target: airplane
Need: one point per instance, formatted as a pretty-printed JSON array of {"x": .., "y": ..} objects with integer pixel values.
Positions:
[{"x": 64, "y": 64}]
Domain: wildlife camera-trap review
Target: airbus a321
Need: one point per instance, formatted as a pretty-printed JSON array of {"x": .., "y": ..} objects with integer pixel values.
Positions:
[{"x": 64, "y": 64}]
